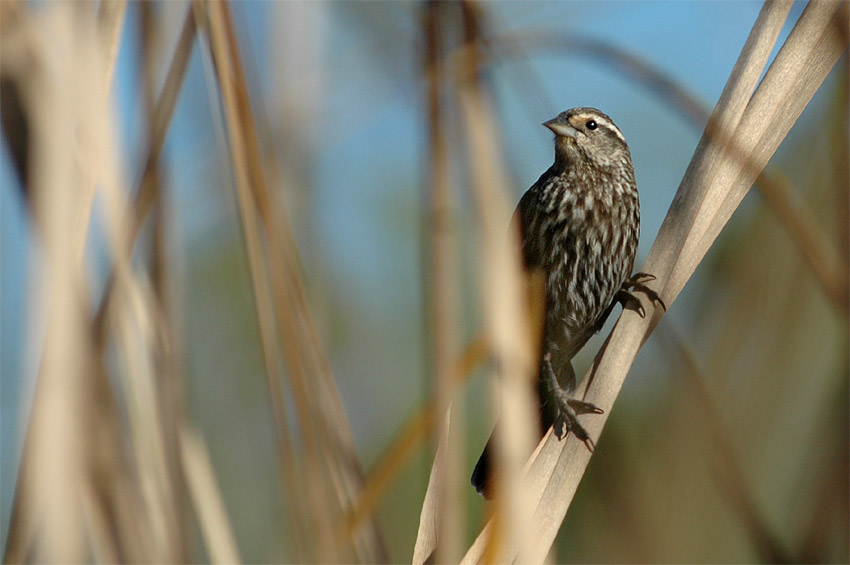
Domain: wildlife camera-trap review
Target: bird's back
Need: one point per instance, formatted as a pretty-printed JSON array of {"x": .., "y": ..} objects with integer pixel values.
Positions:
[{"x": 585, "y": 240}]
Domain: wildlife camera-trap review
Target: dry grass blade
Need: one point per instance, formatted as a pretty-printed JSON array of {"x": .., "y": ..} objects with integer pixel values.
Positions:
[
  {"x": 206, "y": 497},
  {"x": 140, "y": 331},
  {"x": 290, "y": 472},
  {"x": 259, "y": 274},
  {"x": 113, "y": 500},
  {"x": 63, "y": 39},
  {"x": 441, "y": 264},
  {"x": 500, "y": 273},
  {"x": 167, "y": 350},
  {"x": 506, "y": 315},
  {"x": 144, "y": 197},
  {"x": 124, "y": 521},
  {"x": 116, "y": 518},
  {"x": 50, "y": 501},
  {"x": 505, "y": 312},
  {"x": 110, "y": 16},
  {"x": 687, "y": 212},
  {"x": 333, "y": 475},
  {"x": 810, "y": 52},
  {"x": 713, "y": 186},
  {"x": 427, "y": 536}
]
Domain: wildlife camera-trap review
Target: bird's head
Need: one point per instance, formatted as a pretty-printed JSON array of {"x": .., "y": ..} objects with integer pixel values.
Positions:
[{"x": 588, "y": 135}]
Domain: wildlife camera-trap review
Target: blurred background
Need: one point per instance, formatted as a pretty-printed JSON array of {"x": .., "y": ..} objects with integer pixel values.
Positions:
[{"x": 729, "y": 441}]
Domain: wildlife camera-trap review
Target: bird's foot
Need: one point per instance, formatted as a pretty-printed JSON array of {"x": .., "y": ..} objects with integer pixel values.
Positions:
[
  {"x": 637, "y": 282},
  {"x": 568, "y": 408}
]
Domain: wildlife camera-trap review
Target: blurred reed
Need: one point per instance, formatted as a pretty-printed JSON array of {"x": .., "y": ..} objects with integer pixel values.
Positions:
[
  {"x": 135, "y": 482},
  {"x": 114, "y": 469}
]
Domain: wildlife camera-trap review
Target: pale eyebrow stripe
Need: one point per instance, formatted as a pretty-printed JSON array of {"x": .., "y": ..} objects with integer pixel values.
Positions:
[{"x": 603, "y": 122}]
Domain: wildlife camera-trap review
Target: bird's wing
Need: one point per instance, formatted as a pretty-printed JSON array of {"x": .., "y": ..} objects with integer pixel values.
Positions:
[{"x": 526, "y": 222}]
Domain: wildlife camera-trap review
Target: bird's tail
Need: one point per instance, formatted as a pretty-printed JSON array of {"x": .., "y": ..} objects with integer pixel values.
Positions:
[{"x": 482, "y": 474}]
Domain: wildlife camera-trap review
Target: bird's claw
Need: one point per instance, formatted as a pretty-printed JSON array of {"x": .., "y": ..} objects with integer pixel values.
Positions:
[
  {"x": 639, "y": 278},
  {"x": 566, "y": 423},
  {"x": 582, "y": 407},
  {"x": 637, "y": 282},
  {"x": 568, "y": 408},
  {"x": 630, "y": 301}
]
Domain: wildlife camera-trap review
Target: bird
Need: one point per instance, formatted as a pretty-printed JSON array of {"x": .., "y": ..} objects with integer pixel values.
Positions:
[{"x": 579, "y": 224}]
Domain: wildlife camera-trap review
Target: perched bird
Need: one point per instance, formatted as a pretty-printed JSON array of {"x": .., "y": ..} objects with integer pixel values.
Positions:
[{"x": 579, "y": 224}]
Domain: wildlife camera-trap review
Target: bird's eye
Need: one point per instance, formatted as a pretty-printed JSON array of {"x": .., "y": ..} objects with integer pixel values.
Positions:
[{"x": 591, "y": 125}]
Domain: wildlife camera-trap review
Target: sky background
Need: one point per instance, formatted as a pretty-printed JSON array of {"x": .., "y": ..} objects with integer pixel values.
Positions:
[{"x": 344, "y": 79}]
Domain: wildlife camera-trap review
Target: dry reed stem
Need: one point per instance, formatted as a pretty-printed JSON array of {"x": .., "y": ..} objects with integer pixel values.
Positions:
[
  {"x": 428, "y": 532},
  {"x": 810, "y": 52},
  {"x": 168, "y": 348},
  {"x": 347, "y": 476},
  {"x": 86, "y": 91},
  {"x": 51, "y": 501},
  {"x": 442, "y": 299},
  {"x": 144, "y": 196},
  {"x": 110, "y": 20},
  {"x": 71, "y": 67},
  {"x": 257, "y": 214},
  {"x": 333, "y": 474},
  {"x": 291, "y": 474},
  {"x": 118, "y": 498},
  {"x": 712, "y": 188},
  {"x": 336, "y": 440},
  {"x": 146, "y": 338},
  {"x": 206, "y": 497},
  {"x": 264, "y": 305},
  {"x": 140, "y": 330},
  {"x": 506, "y": 315}
]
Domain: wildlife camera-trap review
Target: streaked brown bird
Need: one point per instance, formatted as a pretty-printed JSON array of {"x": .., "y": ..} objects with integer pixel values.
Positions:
[{"x": 579, "y": 224}]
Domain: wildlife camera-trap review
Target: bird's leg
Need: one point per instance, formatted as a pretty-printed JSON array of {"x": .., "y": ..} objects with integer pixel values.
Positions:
[
  {"x": 568, "y": 408},
  {"x": 637, "y": 282}
]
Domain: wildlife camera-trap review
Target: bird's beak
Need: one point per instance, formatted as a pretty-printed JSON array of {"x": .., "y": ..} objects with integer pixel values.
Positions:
[{"x": 560, "y": 128}]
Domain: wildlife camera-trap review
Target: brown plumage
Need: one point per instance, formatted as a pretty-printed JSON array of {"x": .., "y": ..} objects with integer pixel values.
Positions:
[{"x": 580, "y": 224}]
